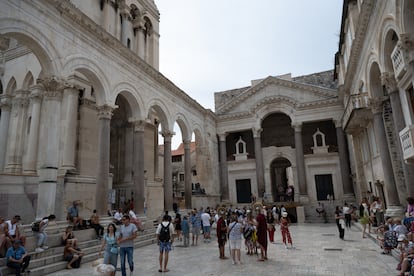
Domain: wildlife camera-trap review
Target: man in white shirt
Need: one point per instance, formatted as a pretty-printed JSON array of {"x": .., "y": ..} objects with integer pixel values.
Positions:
[{"x": 206, "y": 221}]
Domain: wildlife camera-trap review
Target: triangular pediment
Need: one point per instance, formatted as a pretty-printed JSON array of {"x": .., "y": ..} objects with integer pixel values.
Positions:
[{"x": 274, "y": 89}]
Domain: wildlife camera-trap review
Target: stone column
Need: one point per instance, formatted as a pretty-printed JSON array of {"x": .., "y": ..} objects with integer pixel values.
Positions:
[
  {"x": 394, "y": 208},
  {"x": 259, "y": 161},
  {"x": 102, "y": 173},
  {"x": 124, "y": 14},
  {"x": 138, "y": 167},
  {"x": 14, "y": 155},
  {"x": 344, "y": 164},
  {"x": 168, "y": 190},
  {"x": 141, "y": 41},
  {"x": 69, "y": 126},
  {"x": 187, "y": 174},
  {"x": 129, "y": 153},
  {"x": 300, "y": 160},
  {"x": 48, "y": 195},
  {"x": 388, "y": 80},
  {"x": 30, "y": 164},
  {"x": 224, "y": 187},
  {"x": 5, "y": 105}
]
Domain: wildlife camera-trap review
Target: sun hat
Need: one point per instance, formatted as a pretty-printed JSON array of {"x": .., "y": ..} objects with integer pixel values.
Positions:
[
  {"x": 284, "y": 214},
  {"x": 402, "y": 237}
]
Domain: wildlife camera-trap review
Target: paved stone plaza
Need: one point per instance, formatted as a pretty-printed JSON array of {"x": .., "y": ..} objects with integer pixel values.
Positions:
[{"x": 317, "y": 252}]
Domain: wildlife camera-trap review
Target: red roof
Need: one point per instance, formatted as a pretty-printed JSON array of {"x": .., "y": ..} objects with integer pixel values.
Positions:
[{"x": 180, "y": 149}]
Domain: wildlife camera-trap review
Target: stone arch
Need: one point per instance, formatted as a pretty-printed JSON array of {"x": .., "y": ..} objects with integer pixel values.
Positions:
[
  {"x": 28, "y": 80},
  {"x": 275, "y": 124},
  {"x": 387, "y": 43},
  {"x": 94, "y": 75},
  {"x": 135, "y": 12},
  {"x": 184, "y": 126},
  {"x": 11, "y": 86},
  {"x": 197, "y": 129},
  {"x": 39, "y": 43},
  {"x": 161, "y": 111},
  {"x": 133, "y": 98},
  {"x": 375, "y": 88},
  {"x": 284, "y": 105}
]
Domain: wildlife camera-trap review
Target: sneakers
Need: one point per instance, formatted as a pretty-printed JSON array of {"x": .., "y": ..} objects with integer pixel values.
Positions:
[
  {"x": 38, "y": 250},
  {"x": 45, "y": 247}
]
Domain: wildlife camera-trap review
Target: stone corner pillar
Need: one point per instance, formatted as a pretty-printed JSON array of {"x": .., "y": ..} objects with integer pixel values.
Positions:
[{"x": 5, "y": 105}]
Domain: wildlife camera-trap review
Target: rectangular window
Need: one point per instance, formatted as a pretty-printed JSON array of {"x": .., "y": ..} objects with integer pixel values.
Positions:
[{"x": 181, "y": 177}]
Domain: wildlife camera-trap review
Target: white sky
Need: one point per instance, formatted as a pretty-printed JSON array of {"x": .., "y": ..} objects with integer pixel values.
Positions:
[{"x": 209, "y": 46}]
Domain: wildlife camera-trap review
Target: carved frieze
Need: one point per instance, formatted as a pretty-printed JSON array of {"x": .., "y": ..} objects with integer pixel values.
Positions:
[{"x": 389, "y": 81}]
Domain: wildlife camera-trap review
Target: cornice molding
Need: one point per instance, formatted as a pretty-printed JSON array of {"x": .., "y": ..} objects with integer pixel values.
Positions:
[
  {"x": 96, "y": 32},
  {"x": 243, "y": 96}
]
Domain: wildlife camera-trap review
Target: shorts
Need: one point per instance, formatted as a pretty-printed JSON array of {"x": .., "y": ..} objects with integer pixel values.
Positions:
[
  {"x": 165, "y": 246},
  {"x": 235, "y": 244},
  {"x": 206, "y": 229},
  {"x": 195, "y": 231}
]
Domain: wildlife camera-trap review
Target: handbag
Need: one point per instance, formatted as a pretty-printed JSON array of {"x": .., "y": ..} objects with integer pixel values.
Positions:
[{"x": 114, "y": 250}]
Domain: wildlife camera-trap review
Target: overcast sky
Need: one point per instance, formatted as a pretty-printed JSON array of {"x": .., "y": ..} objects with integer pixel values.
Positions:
[{"x": 209, "y": 46}]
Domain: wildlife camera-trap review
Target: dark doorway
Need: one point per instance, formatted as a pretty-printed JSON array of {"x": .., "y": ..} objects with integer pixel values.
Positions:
[
  {"x": 279, "y": 179},
  {"x": 244, "y": 190},
  {"x": 324, "y": 186}
]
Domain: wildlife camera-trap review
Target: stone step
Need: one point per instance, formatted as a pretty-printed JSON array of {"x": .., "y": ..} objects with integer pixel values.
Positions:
[{"x": 50, "y": 260}]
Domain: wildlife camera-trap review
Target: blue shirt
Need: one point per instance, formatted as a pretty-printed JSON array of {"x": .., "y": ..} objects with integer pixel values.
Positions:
[
  {"x": 16, "y": 254},
  {"x": 185, "y": 227}
]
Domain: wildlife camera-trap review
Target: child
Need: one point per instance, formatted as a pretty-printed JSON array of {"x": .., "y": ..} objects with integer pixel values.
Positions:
[
  {"x": 185, "y": 229},
  {"x": 284, "y": 229}
]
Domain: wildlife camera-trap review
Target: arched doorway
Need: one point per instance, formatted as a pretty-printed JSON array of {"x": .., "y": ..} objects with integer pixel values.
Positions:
[{"x": 281, "y": 176}]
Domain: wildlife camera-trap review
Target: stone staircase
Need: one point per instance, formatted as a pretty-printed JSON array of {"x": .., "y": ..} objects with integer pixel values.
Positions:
[
  {"x": 311, "y": 216},
  {"x": 51, "y": 260}
]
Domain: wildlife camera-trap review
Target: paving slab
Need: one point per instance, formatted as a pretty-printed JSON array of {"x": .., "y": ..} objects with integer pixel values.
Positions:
[{"x": 317, "y": 251}]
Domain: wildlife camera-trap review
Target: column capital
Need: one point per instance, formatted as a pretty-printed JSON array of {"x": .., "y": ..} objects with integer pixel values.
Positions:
[
  {"x": 21, "y": 98},
  {"x": 52, "y": 86},
  {"x": 5, "y": 102},
  {"x": 389, "y": 81},
  {"x": 4, "y": 43},
  {"x": 105, "y": 111},
  {"x": 222, "y": 136},
  {"x": 297, "y": 126},
  {"x": 138, "y": 125},
  {"x": 376, "y": 104},
  {"x": 167, "y": 134},
  {"x": 257, "y": 132}
]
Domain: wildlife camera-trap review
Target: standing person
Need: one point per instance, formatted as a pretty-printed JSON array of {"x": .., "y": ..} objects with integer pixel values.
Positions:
[
  {"x": 206, "y": 221},
  {"x": 165, "y": 237},
  {"x": 346, "y": 210},
  {"x": 270, "y": 226},
  {"x": 4, "y": 242},
  {"x": 261, "y": 231},
  {"x": 364, "y": 215},
  {"x": 284, "y": 230},
  {"x": 95, "y": 223},
  {"x": 17, "y": 258},
  {"x": 221, "y": 231},
  {"x": 110, "y": 244},
  {"x": 177, "y": 225},
  {"x": 378, "y": 211},
  {"x": 42, "y": 235},
  {"x": 126, "y": 238},
  {"x": 249, "y": 229},
  {"x": 235, "y": 230},
  {"x": 340, "y": 222},
  {"x": 195, "y": 226},
  {"x": 13, "y": 232},
  {"x": 185, "y": 228}
]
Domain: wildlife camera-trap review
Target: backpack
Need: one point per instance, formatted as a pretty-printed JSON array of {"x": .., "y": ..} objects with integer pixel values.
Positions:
[
  {"x": 165, "y": 233},
  {"x": 247, "y": 233},
  {"x": 36, "y": 226}
]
